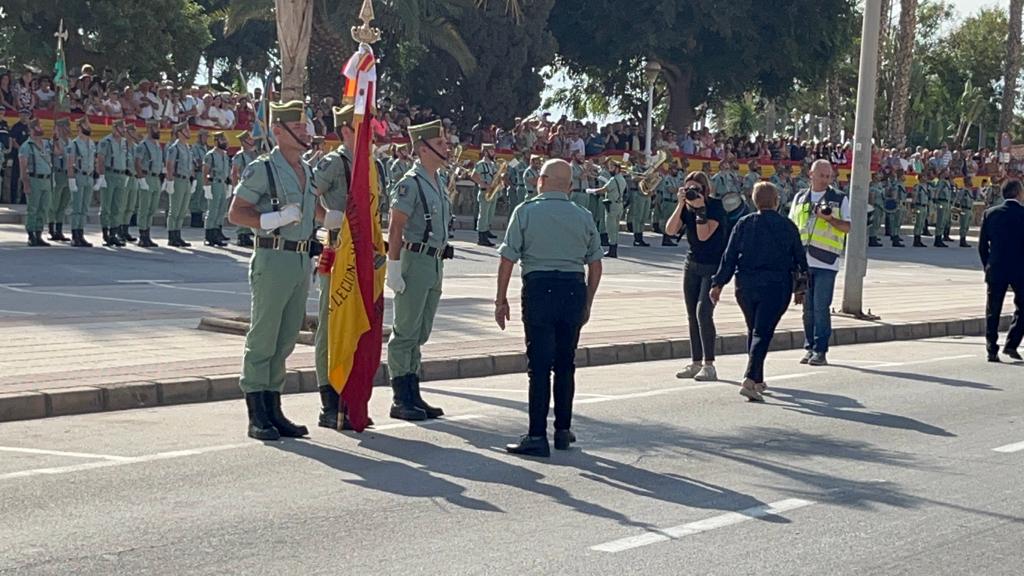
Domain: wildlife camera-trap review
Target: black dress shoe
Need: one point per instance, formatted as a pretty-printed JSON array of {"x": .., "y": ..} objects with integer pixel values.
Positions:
[
  {"x": 563, "y": 438},
  {"x": 530, "y": 446},
  {"x": 1012, "y": 353}
]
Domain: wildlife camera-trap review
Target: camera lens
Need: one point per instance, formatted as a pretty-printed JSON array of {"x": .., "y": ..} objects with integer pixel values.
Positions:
[
  {"x": 692, "y": 193},
  {"x": 826, "y": 210}
]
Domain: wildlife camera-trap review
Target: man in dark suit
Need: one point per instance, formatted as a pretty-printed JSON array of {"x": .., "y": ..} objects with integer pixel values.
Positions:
[{"x": 1002, "y": 253}]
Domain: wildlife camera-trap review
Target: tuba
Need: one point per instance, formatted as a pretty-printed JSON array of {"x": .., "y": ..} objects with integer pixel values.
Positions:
[
  {"x": 496, "y": 183},
  {"x": 651, "y": 177},
  {"x": 454, "y": 171}
]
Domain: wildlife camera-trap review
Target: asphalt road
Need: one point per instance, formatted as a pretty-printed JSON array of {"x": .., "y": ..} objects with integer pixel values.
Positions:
[{"x": 901, "y": 458}]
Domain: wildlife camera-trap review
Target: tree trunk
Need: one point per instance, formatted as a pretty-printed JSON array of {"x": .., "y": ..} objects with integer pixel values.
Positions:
[
  {"x": 834, "y": 107},
  {"x": 294, "y": 25},
  {"x": 901, "y": 85},
  {"x": 1012, "y": 69},
  {"x": 680, "y": 109}
]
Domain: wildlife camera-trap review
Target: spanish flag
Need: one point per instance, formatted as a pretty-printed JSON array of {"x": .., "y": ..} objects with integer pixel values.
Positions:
[{"x": 356, "y": 309}]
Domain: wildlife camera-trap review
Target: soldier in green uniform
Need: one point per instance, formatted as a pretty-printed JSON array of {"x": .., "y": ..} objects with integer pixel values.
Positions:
[
  {"x": 783, "y": 180},
  {"x": 35, "y": 157},
  {"x": 61, "y": 196},
  {"x": 245, "y": 156},
  {"x": 611, "y": 194},
  {"x": 876, "y": 207},
  {"x": 753, "y": 177},
  {"x": 631, "y": 170},
  {"x": 400, "y": 164},
  {"x": 595, "y": 205},
  {"x": 993, "y": 193},
  {"x": 963, "y": 207},
  {"x": 922, "y": 204},
  {"x": 665, "y": 201},
  {"x": 895, "y": 197},
  {"x": 276, "y": 197},
  {"x": 178, "y": 170},
  {"x": 197, "y": 200},
  {"x": 943, "y": 192},
  {"x": 483, "y": 175},
  {"x": 81, "y": 164},
  {"x": 417, "y": 248},
  {"x": 577, "y": 192},
  {"x": 553, "y": 240},
  {"x": 112, "y": 167},
  {"x": 331, "y": 178},
  {"x": 149, "y": 163},
  {"x": 516, "y": 183},
  {"x": 640, "y": 210},
  {"x": 216, "y": 176},
  {"x": 530, "y": 176},
  {"x": 130, "y": 205}
]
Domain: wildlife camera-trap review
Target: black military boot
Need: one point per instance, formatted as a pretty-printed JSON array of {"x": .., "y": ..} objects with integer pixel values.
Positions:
[
  {"x": 181, "y": 241},
  {"x": 897, "y": 242},
  {"x": 403, "y": 407},
  {"x": 330, "y": 408},
  {"x": 36, "y": 239},
  {"x": 656, "y": 227},
  {"x": 245, "y": 240},
  {"x": 125, "y": 235},
  {"x": 146, "y": 240},
  {"x": 419, "y": 402},
  {"x": 196, "y": 221},
  {"x": 874, "y": 242},
  {"x": 613, "y": 251},
  {"x": 963, "y": 243},
  {"x": 491, "y": 235},
  {"x": 60, "y": 233},
  {"x": 107, "y": 239},
  {"x": 78, "y": 239},
  {"x": 287, "y": 428},
  {"x": 918, "y": 243},
  {"x": 666, "y": 240},
  {"x": 209, "y": 241},
  {"x": 260, "y": 426},
  {"x": 938, "y": 241},
  {"x": 220, "y": 235},
  {"x": 604, "y": 239},
  {"x": 171, "y": 240},
  {"x": 638, "y": 239},
  {"x": 482, "y": 240},
  {"x": 53, "y": 232},
  {"x": 629, "y": 227}
]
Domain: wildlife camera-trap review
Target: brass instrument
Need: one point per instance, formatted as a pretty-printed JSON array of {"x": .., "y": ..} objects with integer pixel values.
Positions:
[
  {"x": 496, "y": 183},
  {"x": 454, "y": 169},
  {"x": 651, "y": 177}
]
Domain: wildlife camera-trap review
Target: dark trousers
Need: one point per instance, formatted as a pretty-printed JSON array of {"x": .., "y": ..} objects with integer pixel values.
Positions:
[
  {"x": 763, "y": 306},
  {"x": 994, "y": 309},
  {"x": 700, "y": 310},
  {"x": 553, "y": 306}
]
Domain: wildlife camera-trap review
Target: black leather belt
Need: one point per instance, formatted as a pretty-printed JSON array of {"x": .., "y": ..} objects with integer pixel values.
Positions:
[
  {"x": 418, "y": 248},
  {"x": 39, "y": 176},
  {"x": 278, "y": 243},
  {"x": 154, "y": 174},
  {"x": 554, "y": 275},
  {"x": 124, "y": 172}
]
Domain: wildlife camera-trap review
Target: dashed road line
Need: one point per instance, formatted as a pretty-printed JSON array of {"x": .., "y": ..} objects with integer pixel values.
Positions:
[
  {"x": 120, "y": 461},
  {"x": 1010, "y": 448}
]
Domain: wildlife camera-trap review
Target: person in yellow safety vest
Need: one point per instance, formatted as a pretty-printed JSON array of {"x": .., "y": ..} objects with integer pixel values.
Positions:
[{"x": 822, "y": 214}]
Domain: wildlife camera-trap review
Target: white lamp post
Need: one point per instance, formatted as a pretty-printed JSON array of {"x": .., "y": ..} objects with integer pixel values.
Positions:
[{"x": 651, "y": 71}]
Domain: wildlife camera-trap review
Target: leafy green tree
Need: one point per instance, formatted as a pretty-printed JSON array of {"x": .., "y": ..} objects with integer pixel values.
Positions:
[
  {"x": 706, "y": 50},
  {"x": 145, "y": 38}
]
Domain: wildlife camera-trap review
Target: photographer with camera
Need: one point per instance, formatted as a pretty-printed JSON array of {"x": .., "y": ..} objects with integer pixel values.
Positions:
[
  {"x": 822, "y": 214},
  {"x": 768, "y": 259},
  {"x": 704, "y": 218}
]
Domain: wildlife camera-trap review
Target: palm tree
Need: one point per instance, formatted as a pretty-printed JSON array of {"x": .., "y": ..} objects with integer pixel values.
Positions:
[
  {"x": 740, "y": 116},
  {"x": 1012, "y": 69},
  {"x": 901, "y": 86}
]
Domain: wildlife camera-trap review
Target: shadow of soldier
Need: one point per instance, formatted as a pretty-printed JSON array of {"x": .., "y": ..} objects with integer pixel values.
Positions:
[{"x": 849, "y": 409}]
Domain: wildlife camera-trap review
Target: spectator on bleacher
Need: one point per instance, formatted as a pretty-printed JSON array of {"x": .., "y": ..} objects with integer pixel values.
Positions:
[
  {"x": 112, "y": 104},
  {"x": 45, "y": 96},
  {"x": 24, "y": 97},
  {"x": 128, "y": 104},
  {"x": 7, "y": 101}
]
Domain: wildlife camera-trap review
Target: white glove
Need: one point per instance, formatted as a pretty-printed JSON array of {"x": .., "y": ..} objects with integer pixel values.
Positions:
[
  {"x": 101, "y": 182},
  {"x": 333, "y": 219},
  {"x": 143, "y": 185},
  {"x": 208, "y": 192},
  {"x": 169, "y": 187},
  {"x": 283, "y": 217},
  {"x": 393, "y": 278},
  {"x": 73, "y": 185}
]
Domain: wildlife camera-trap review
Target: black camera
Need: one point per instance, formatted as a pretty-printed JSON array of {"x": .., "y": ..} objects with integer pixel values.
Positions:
[
  {"x": 692, "y": 193},
  {"x": 825, "y": 209}
]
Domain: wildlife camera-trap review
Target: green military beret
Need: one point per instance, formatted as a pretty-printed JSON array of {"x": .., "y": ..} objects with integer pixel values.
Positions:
[
  {"x": 63, "y": 123},
  {"x": 179, "y": 127},
  {"x": 343, "y": 116},
  {"x": 293, "y": 111},
  {"x": 83, "y": 122},
  {"x": 118, "y": 124},
  {"x": 426, "y": 131}
]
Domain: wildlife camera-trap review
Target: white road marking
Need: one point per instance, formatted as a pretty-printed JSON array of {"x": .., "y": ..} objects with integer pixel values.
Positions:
[
  {"x": 14, "y": 288},
  {"x": 662, "y": 391},
  {"x": 17, "y": 312},
  {"x": 422, "y": 423},
  {"x": 141, "y": 281},
  {"x": 499, "y": 390},
  {"x": 166, "y": 284},
  {"x": 60, "y": 453},
  {"x": 721, "y": 521},
  {"x": 121, "y": 461},
  {"x": 1009, "y": 448}
]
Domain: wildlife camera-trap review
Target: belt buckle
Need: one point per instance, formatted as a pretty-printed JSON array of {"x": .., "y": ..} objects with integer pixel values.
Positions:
[
  {"x": 302, "y": 246},
  {"x": 278, "y": 242}
]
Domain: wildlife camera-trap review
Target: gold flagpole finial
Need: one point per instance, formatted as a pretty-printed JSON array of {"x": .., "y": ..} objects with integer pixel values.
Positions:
[{"x": 366, "y": 34}]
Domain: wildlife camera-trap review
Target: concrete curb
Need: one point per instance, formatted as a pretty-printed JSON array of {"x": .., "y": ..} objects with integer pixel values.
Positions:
[{"x": 34, "y": 404}]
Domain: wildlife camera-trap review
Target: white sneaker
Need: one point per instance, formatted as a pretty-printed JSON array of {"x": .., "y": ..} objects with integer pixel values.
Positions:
[
  {"x": 706, "y": 374},
  {"x": 689, "y": 372}
]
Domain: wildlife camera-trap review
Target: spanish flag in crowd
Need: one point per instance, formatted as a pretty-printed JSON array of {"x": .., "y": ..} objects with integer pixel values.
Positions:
[{"x": 356, "y": 310}]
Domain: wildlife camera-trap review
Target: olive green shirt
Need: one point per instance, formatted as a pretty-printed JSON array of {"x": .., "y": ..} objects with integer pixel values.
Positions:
[
  {"x": 331, "y": 178},
  {"x": 255, "y": 189},
  {"x": 615, "y": 189},
  {"x": 39, "y": 157},
  {"x": 530, "y": 176},
  {"x": 407, "y": 200},
  {"x": 151, "y": 157},
  {"x": 550, "y": 233},
  {"x": 114, "y": 153},
  {"x": 241, "y": 159},
  {"x": 219, "y": 165},
  {"x": 84, "y": 156},
  {"x": 181, "y": 160}
]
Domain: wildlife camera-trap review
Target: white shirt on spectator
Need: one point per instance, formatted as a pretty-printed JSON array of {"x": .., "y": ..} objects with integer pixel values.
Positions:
[
  {"x": 576, "y": 144},
  {"x": 228, "y": 118}
]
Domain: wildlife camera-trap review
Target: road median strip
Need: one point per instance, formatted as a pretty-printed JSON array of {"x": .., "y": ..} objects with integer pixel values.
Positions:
[{"x": 33, "y": 404}]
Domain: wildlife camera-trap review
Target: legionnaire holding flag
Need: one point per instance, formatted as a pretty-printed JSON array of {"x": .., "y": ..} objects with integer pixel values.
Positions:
[{"x": 276, "y": 198}]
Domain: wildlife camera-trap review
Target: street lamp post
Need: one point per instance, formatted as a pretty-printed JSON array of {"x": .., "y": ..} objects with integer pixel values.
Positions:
[{"x": 651, "y": 72}]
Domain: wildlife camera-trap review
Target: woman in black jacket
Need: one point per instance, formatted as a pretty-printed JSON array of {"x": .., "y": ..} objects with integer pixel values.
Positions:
[{"x": 766, "y": 255}]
